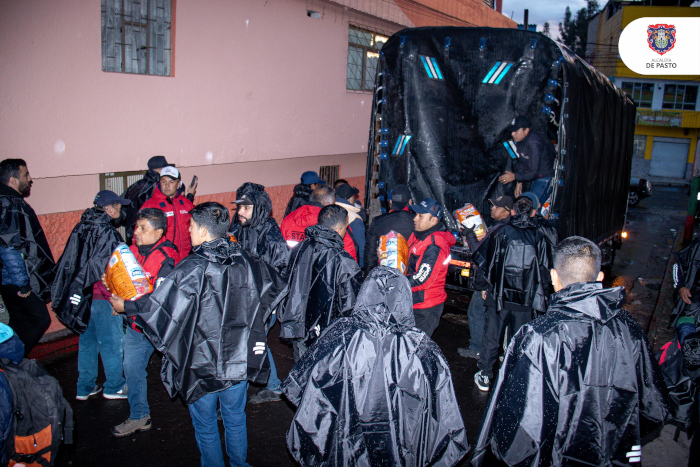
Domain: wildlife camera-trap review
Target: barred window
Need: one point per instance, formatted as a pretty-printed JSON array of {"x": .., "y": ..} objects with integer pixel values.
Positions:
[
  {"x": 136, "y": 36},
  {"x": 641, "y": 93},
  {"x": 680, "y": 97},
  {"x": 363, "y": 55}
]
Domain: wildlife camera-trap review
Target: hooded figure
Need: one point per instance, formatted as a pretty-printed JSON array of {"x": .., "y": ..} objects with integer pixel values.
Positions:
[
  {"x": 323, "y": 282},
  {"x": 374, "y": 390},
  {"x": 87, "y": 252},
  {"x": 261, "y": 236},
  {"x": 225, "y": 324},
  {"x": 578, "y": 385},
  {"x": 300, "y": 198},
  {"x": 685, "y": 275}
]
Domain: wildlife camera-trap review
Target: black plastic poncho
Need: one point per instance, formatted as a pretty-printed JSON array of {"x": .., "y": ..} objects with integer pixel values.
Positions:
[
  {"x": 323, "y": 283},
  {"x": 20, "y": 229},
  {"x": 208, "y": 318},
  {"x": 685, "y": 274},
  {"x": 374, "y": 390},
  {"x": 262, "y": 237},
  {"x": 82, "y": 263},
  {"x": 578, "y": 386}
]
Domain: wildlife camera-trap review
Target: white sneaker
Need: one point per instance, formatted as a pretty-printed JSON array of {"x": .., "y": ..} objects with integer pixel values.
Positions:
[
  {"x": 96, "y": 390},
  {"x": 121, "y": 394},
  {"x": 482, "y": 381}
]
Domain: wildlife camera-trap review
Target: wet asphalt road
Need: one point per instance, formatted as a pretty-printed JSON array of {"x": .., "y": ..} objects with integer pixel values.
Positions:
[{"x": 639, "y": 267}]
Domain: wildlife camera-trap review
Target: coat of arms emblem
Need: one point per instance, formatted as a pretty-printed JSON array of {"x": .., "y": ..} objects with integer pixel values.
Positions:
[{"x": 661, "y": 37}]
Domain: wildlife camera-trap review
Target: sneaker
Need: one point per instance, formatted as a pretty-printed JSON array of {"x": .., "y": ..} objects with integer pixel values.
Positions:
[
  {"x": 129, "y": 427},
  {"x": 482, "y": 381},
  {"x": 264, "y": 395},
  {"x": 96, "y": 390},
  {"x": 121, "y": 394},
  {"x": 467, "y": 353}
]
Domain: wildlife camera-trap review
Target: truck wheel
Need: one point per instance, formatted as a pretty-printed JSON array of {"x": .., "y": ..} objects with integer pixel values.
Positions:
[{"x": 633, "y": 198}]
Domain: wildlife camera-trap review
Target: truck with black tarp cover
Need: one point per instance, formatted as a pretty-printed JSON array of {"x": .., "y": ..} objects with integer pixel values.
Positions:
[{"x": 443, "y": 100}]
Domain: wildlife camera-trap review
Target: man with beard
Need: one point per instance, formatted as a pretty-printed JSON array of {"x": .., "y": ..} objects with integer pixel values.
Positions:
[
  {"x": 323, "y": 280},
  {"x": 27, "y": 262},
  {"x": 177, "y": 207},
  {"x": 258, "y": 233}
]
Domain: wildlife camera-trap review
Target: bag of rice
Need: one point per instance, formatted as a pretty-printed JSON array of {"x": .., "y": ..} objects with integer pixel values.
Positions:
[
  {"x": 124, "y": 275},
  {"x": 394, "y": 251},
  {"x": 469, "y": 217}
]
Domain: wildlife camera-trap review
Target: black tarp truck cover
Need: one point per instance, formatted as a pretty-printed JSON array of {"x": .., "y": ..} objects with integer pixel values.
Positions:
[{"x": 444, "y": 98}]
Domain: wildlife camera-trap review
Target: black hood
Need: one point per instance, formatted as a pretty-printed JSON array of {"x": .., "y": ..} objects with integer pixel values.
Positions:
[
  {"x": 522, "y": 222},
  {"x": 303, "y": 191},
  {"x": 325, "y": 236},
  {"x": 261, "y": 210},
  {"x": 385, "y": 299},
  {"x": 6, "y": 190},
  {"x": 95, "y": 216},
  {"x": 590, "y": 299},
  {"x": 221, "y": 250},
  {"x": 247, "y": 188}
]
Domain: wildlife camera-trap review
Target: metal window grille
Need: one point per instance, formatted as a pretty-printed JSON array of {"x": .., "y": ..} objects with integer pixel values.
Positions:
[
  {"x": 641, "y": 94},
  {"x": 118, "y": 182},
  {"x": 363, "y": 55},
  {"x": 136, "y": 36},
  {"x": 680, "y": 97},
  {"x": 329, "y": 174}
]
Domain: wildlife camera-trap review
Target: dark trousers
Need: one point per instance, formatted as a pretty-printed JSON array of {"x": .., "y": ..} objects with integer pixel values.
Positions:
[
  {"x": 427, "y": 319},
  {"x": 476, "y": 317},
  {"x": 495, "y": 326},
  {"x": 29, "y": 317}
]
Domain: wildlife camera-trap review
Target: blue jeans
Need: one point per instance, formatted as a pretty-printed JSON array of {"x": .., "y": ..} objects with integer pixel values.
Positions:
[
  {"x": 206, "y": 428},
  {"x": 137, "y": 352},
  {"x": 542, "y": 188},
  {"x": 273, "y": 382},
  {"x": 104, "y": 336},
  {"x": 476, "y": 318}
]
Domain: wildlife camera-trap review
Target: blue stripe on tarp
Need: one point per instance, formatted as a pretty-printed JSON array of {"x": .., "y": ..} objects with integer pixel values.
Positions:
[
  {"x": 503, "y": 73},
  {"x": 493, "y": 70},
  {"x": 510, "y": 150},
  {"x": 437, "y": 68},
  {"x": 427, "y": 68},
  {"x": 397, "y": 146},
  {"x": 405, "y": 143}
]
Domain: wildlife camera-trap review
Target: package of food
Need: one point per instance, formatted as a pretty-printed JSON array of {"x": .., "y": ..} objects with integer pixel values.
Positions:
[
  {"x": 124, "y": 275},
  {"x": 393, "y": 251},
  {"x": 470, "y": 218}
]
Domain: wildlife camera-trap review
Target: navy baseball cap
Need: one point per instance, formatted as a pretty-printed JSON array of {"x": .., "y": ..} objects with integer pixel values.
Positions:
[
  {"x": 532, "y": 197},
  {"x": 157, "y": 162},
  {"x": 107, "y": 197},
  {"x": 427, "y": 206},
  {"x": 307, "y": 178},
  {"x": 518, "y": 123}
]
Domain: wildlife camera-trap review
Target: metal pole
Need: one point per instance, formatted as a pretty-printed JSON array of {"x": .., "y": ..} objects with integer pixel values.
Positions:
[{"x": 527, "y": 13}]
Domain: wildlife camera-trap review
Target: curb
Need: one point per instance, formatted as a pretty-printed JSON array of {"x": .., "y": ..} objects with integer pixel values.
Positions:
[{"x": 55, "y": 345}]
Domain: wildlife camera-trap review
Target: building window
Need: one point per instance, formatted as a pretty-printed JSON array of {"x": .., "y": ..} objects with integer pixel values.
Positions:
[
  {"x": 363, "y": 55},
  {"x": 680, "y": 97},
  {"x": 329, "y": 174},
  {"x": 641, "y": 93},
  {"x": 136, "y": 36}
]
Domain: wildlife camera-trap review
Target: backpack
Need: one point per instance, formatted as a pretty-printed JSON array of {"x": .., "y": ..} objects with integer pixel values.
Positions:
[{"x": 42, "y": 418}]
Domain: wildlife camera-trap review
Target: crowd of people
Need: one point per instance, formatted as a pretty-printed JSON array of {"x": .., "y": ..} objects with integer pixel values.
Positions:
[{"x": 577, "y": 382}]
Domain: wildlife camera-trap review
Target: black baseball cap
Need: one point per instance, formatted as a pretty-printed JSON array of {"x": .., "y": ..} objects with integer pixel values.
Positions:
[
  {"x": 400, "y": 196},
  {"x": 157, "y": 162},
  {"x": 244, "y": 200},
  {"x": 427, "y": 206},
  {"x": 518, "y": 123},
  {"x": 346, "y": 191},
  {"x": 503, "y": 202},
  {"x": 107, "y": 197}
]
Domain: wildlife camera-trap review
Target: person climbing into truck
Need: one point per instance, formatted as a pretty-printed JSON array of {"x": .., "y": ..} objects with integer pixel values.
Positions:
[{"x": 535, "y": 165}]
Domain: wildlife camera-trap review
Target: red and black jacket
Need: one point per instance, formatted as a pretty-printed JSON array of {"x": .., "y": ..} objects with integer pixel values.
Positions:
[
  {"x": 157, "y": 261},
  {"x": 428, "y": 259},
  {"x": 177, "y": 211}
]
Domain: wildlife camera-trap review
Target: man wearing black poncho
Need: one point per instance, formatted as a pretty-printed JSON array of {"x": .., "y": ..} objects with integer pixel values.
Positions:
[
  {"x": 579, "y": 385},
  {"x": 375, "y": 390}
]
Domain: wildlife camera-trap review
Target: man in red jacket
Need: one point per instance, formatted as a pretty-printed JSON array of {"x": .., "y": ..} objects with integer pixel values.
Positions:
[
  {"x": 429, "y": 256},
  {"x": 175, "y": 206},
  {"x": 294, "y": 225},
  {"x": 158, "y": 258}
]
